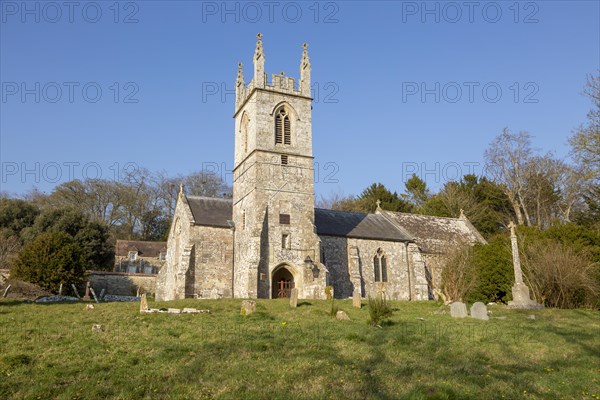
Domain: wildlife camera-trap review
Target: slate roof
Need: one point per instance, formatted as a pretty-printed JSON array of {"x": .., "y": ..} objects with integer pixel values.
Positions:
[
  {"x": 144, "y": 248},
  {"x": 434, "y": 234},
  {"x": 358, "y": 225},
  {"x": 211, "y": 211}
]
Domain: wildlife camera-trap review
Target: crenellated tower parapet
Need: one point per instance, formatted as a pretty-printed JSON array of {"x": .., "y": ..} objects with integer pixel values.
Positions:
[{"x": 279, "y": 83}]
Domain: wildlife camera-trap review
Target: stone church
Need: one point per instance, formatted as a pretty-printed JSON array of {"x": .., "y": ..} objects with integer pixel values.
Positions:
[{"x": 270, "y": 238}]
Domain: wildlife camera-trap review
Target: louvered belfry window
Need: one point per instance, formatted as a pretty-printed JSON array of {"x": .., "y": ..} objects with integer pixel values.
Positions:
[{"x": 283, "y": 130}]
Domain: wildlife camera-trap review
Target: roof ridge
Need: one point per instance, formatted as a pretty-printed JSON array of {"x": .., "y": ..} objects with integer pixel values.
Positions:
[
  {"x": 343, "y": 211},
  {"x": 423, "y": 215},
  {"x": 208, "y": 198}
]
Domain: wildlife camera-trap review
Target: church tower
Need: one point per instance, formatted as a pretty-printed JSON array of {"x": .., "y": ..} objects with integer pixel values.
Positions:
[{"x": 276, "y": 247}]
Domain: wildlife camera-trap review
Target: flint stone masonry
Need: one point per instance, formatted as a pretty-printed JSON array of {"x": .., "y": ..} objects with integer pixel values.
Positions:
[
  {"x": 112, "y": 297},
  {"x": 458, "y": 310},
  {"x": 479, "y": 311},
  {"x": 57, "y": 299}
]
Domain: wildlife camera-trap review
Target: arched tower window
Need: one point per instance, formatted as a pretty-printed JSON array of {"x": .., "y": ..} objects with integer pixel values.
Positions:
[
  {"x": 283, "y": 130},
  {"x": 244, "y": 131},
  {"x": 380, "y": 266}
]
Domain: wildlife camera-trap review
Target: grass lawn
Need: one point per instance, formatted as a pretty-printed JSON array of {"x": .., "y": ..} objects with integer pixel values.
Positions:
[{"x": 50, "y": 351}]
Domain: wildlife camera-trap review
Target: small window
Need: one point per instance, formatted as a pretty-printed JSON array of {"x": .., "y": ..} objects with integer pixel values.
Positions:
[
  {"x": 244, "y": 219},
  {"x": 162, "y": 256},
  {"x": 284, "y": 219},
  {"x": 284, "y": 159},
  {"x": 133, "y": 255},
  {"x": 285, "y": 241}
]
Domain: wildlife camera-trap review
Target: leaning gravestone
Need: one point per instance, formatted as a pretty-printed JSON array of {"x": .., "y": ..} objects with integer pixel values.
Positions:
[
  {"x": 479, "y": 311},
  {"x": 248, "y": 307},
  {"x": 294, "y": 298},
  {"x": 458, "y": 310},
  {"x": 356, "y": 300}
]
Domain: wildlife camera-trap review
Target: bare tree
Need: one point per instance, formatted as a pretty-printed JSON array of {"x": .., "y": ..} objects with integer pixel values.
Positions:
[
  {"x": 507, "y": 157},
  {"x": 9, "y": 248},
  {"x": 585, "y": 142},
  {"x": 459, "y": 274}
]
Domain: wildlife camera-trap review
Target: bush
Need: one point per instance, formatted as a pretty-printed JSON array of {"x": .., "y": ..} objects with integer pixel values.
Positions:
[
  {"x": 379, "y": 310},
  {"x": 495, "y": 272},
  {"x": 50, "y": 259},
  {"x": 560, "y": 276}
]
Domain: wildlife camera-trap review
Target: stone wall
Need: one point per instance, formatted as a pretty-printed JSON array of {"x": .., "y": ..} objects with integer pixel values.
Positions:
[
  {"x": 350, "y": 265},
  {"x": 171, "y": 280},
  {"x": 145, "y": 265},
  {"x": 122, "y": 284},
  {"x": 212, "y": 263}
]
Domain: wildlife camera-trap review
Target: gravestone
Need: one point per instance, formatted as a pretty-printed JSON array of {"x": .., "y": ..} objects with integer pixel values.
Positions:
[
  {"x": 248, "y": 307},
  {"x": 173, "y": 311},
  {"x": 76, "y": 292},
  {"x": 294, "y": 297},
  {"x": 89, "y": 307},
  {"x": 143, "y": 304},
  {"x": 94, "y": 294},
  {"x": 479, "y": 311},
  {"x": 6, "y": 291},
  {"x": 356, "y": 300},
  {"x": 329, "y": 292},
  {"x": 97, "y": 328},
  {"x": 458, "y": 310},
  {"x": 342, "y": 316}
]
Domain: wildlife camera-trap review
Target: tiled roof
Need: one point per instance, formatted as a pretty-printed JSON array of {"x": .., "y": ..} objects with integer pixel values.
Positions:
[
  {"x": 144, "y": 248},
  {"x": 435, "y": 234},
  {"x": 211, "y": 211},
  {"x": 358, "y": 225}
]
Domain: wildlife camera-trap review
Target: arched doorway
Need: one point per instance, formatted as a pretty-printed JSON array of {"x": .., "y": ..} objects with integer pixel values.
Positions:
[{"x": 282, "y": 283}]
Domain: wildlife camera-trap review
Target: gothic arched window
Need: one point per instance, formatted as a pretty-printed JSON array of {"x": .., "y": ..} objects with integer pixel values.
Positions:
[
  {"x": 283, "y": 131},
  {"x": 380, "y": 266},
  {"x": 244, "y": 129}
]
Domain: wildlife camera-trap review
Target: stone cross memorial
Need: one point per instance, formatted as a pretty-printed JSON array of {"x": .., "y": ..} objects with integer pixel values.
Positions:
[{"x": 520, "y": 291}]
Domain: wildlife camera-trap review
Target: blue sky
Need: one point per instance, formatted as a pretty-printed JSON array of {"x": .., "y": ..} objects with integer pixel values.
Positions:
[{"x": 400, "y": 87}]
